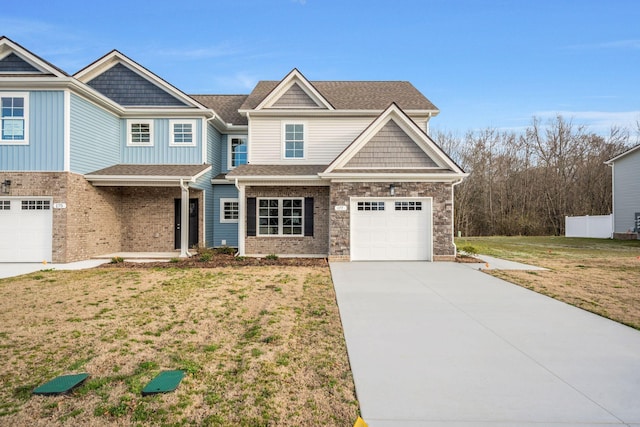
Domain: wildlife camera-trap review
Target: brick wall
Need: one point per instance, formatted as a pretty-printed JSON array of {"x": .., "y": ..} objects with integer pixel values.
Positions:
[
  {"x": 340, "y": 193},
  {"x": 86, "y": 227},
  {"x": 148, "y": 218},
  {"x": 318, "y": 244}
]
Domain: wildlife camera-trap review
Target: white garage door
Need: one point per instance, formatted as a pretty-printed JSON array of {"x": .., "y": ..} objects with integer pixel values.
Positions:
[
  {"x": 26, "y": 230},
  {"x": 391, "y": 229}
]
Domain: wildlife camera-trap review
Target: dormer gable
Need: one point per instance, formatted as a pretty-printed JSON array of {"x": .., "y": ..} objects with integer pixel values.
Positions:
[
  {"x": 15, "y": 60},
  {"x": 131, "y": 85},
  {"x": 294, "y": 92},
  {"x": 393, "y": 141}
]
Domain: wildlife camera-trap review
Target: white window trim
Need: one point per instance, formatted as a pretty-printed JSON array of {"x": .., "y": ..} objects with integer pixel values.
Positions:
[
  {"x": 305, "y": 139},
  {"x": 25, "y": 96},
  {"x": 194, "y": 129},
  {"x": 280, "y": 222},
  {"x": 229, "y": 138},
  {"x": 130, "y": 122},
  {"x": 223, "y": 220}
]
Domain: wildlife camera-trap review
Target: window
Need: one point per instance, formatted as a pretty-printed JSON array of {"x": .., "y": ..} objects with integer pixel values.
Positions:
[
  {"x": 140, "y": 133},
  {"x": 36, "y": 205},
  {"x": 237, "y": 151},
  {"x": 5, "y": 205},
  {"x": 229, "y": 210},
  {"x": 14, "y": 115},
  {"x": 182, "y": 133},
  {"x": 370, "y": 206},
  {"x": 293, "y": 140},
  {"x": 280, "y": 217},
  {"x": 408, "y": 206}
]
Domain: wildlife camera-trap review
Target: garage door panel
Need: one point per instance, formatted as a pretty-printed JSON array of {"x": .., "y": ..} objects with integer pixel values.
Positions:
[
  {"x": 26, "y": 230},
  {"x": 391, "y": 234}
]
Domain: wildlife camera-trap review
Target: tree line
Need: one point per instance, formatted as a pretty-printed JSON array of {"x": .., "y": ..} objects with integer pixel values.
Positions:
[{"x": 525, "y": 183}]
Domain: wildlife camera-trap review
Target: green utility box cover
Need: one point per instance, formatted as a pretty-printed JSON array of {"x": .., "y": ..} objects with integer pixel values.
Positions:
[
  {"x": 164, "y": 382},
  {"x": 61, "y": 384}
]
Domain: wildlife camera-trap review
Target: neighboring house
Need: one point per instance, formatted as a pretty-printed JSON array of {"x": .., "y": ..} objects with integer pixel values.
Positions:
[
  {"x": 626, "y": 191},
  {"x": 115, "y": 159}
]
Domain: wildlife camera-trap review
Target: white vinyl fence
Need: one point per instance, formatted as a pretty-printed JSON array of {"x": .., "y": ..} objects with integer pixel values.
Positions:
[{"x": 597, "y": 226}]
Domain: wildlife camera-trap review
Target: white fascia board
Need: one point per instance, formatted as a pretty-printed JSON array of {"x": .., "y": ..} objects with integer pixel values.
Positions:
[
  {"x": 331, "y": 113},
  {"x": 294, "y": 76},
  {"x": 277, "y": 178},
  {"x": 156, "y": 112},
  {"x": 7, "y": 46},
  {"x": 626, "y": 153},
  {"x": 221, "y": 181},
  {"x": 377, "y": 177}
]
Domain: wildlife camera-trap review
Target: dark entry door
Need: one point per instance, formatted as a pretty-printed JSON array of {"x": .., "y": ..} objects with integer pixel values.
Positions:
[{"x": 193, "y": 222}]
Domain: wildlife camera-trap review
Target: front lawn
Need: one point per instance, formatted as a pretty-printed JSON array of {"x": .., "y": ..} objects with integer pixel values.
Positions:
[
  {"x": 260, "y": 346},
  {"x": 598, "y": 275}
]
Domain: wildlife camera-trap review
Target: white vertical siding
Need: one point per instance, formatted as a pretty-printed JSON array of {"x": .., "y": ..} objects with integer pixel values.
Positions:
[
  {"x": 626, "y": 197},
  {"x": 326, "y": 138}
]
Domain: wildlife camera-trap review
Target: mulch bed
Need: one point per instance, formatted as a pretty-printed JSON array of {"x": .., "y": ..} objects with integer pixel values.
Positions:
[{"x": 220, "y": 260}]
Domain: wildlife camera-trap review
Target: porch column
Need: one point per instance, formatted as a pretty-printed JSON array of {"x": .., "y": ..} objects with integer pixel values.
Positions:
[
  {"x": 184, "y": 221},
  {"x": 242, "y": 218}
]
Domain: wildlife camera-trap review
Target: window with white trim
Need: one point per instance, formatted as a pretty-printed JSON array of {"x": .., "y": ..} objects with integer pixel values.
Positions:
[
  {"x": 229, "y": 210},
  {"x": 370, "y": 206},
  {"x": 14, "y": 118},
  {"x": 5, "y": 205},
  {"x": 182, "y": 133},
  {"x": 36, "y": 205},
  {"x": 408, "y": 206},
  {"x": 280, "y": 217},
  {"x": 294, "y": 136},
  {"x": 140, "y": 133},
  {"x": 237, "y": 153}
]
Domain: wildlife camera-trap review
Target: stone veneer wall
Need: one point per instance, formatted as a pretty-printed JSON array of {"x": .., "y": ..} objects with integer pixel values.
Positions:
[
  {"x": 87, "y": 226},
  {"x": 443, "y": 248},
  {"x": 148, "y": 218},
  {"x": 318, "y": 244}
]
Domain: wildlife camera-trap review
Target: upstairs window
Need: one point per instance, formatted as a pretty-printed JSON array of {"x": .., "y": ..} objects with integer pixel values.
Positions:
[
  {"x": 294, "y": 140},
  {"x": 140, "y": 133},
  {"x": 14, "y": 116},
  {"x": 237, "y": 151},
  {"x": 182, "y": 133}
]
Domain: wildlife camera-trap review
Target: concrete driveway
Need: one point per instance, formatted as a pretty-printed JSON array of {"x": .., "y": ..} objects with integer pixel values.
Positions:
[{"x": 435, "y": 344}]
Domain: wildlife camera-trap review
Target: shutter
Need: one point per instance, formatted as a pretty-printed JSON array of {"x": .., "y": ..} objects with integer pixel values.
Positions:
[
  {"x": 308, "y": 216},
  {"x": 251, "y": 216}
]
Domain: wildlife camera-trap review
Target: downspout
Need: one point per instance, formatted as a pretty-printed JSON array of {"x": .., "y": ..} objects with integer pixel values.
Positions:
[
  {"x": 184, "y": 220},
  {"x": 241, "y": 218},
  {"x": 427, "y": 124},
  {"x": 453, "y": 205}
]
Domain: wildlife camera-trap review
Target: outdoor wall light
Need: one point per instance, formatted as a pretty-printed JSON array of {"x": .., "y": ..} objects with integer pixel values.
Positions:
[
  {"x": 5, "y": 186},
  {"x": 392, "y": 189}
]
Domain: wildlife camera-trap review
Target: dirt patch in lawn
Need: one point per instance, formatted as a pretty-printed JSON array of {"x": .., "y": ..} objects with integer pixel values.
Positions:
[
  {"x": 598, "y": 275},
  {"x": 260, "y": 346}
]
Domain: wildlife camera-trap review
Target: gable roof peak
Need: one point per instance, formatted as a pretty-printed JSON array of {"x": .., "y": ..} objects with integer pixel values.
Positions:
[
  {"x": 8, "y": 46},
  {"x": 292, "y": 78}
]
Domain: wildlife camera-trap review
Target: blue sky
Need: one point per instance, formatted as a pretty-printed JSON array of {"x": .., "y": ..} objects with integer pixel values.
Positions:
[{"x": 492, "y": 63}]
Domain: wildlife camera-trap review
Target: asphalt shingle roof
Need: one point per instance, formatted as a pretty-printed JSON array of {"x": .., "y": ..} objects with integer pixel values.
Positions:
[
  {"x": 225, "y": 105},
  {"x": 276, "y": 170},
  {"x": 178, "y": 171},
  {"x": 354, "y": 95}
]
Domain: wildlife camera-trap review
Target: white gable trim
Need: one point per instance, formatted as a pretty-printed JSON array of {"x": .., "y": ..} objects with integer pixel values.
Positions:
[
  {"x": 7, "y": 47},
  {"x": 393, "y": 112},
  {"x": 285, "y": 84},
  {"x": 114, "y": 57}
]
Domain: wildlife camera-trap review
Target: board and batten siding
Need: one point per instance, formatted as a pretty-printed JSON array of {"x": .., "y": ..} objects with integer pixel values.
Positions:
[
  {"x": 95, "y": 137},
  {"x": 226, "y": 230},
  {"x": 45, "y": 151},
  {"x": 326, "y": 138},
  {"x": 161, "y": 152},
  {"x": 214, "y": 139},
  {"x": 626, "y": 199}
]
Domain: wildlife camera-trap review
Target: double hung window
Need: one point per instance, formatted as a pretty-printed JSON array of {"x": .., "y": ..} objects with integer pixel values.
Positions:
[
  {"x": 140, "y": 133},
  {"x": 294, "y": 140},
  {"x": 237, "y": 151},
  {"x": 182, "y": 132},
  {"x": 280, "y": 217},
  {"x": 14, "y": 115}
]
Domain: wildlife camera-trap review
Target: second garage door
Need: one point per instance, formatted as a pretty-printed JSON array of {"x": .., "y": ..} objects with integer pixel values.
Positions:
[
  {"x": 391, "y": 229},
  {"x": 26, "y": 230}
]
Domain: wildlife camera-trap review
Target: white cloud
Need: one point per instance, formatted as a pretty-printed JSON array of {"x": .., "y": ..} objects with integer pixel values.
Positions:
[
  {"x": 616, "y": 44},
  {"x": 599, "y": 122},
  {"x": 217, "y": 51}
]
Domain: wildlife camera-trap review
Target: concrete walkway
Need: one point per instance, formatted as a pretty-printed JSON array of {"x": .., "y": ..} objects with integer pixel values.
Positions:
[{"x": 441, "y": 344}]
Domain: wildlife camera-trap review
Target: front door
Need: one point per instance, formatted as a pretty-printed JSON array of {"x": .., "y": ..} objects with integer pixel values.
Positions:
[{"x": 193, "y": 222}]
